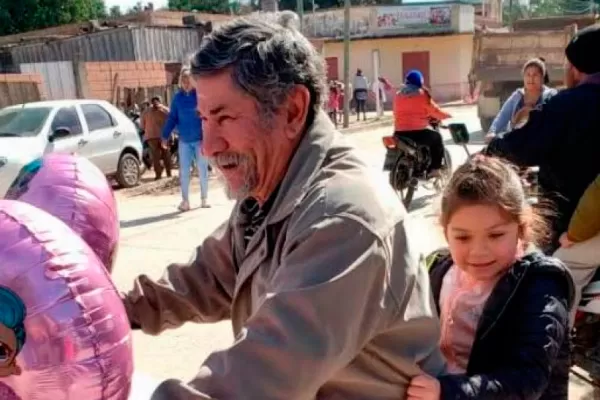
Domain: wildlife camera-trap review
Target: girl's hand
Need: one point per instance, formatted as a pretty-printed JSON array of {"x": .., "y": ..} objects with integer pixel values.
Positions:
[
  {"x": 565, "y": 241},
  {"x": 424, "y": 387}
]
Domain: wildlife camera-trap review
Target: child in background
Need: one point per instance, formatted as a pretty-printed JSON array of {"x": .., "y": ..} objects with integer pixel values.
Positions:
[
  {"x": 503, "y": 306},
  {"x": 341, "y": 102},
  {"x": 334, "y": 102}
]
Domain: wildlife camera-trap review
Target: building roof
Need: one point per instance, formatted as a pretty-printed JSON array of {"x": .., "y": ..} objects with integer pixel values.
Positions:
[{"x": 149, "y": 18}]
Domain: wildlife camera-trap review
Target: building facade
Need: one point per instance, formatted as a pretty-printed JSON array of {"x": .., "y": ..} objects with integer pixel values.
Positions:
[{"x": 436, "y": 39}]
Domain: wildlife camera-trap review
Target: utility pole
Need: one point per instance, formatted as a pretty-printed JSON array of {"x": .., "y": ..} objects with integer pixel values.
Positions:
[
  {"x": 269, "y": 5},
  {"x": 347, "y": 92},
  {"x": 300, "y": 12}
]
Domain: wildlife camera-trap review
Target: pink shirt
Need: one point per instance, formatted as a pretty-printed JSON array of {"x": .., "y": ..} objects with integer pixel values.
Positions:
[{"x": 462, "y": 300}]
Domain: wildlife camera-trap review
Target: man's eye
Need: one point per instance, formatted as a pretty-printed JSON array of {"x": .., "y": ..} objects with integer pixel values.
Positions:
[
  {"x": 462, "y": 238},
  {"x": 224, "y": 118},
  {"x": 496, "y": 235}
]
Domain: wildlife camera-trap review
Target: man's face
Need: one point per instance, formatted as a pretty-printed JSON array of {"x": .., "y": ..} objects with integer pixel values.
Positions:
[
  {"x": 155, "y": 103},
  {"x": 252, "y": 154},
  {"x": 572, "y": 75}
]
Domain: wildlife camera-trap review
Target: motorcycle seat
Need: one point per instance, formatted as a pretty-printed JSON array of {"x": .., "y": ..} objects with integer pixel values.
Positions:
[{"x": 407, "y": 144}]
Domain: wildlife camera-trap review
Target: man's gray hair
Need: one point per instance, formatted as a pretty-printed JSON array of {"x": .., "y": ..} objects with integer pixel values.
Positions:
[{"x": 268, "y": 57}]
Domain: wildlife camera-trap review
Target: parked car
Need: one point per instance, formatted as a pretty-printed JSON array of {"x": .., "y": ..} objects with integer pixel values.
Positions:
[{"x": 94, "y": 129}]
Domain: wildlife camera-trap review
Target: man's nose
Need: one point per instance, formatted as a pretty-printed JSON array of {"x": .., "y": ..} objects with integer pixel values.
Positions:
[{"x": 212, "y": 142}]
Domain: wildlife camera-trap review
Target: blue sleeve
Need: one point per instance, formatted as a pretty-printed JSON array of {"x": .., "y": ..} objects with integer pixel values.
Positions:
[
  {"x": 535, "y": 141},
  {"x": 502, "y": 120},
  {"x": 172, "y": 120},
  {"x": 540, "y": 330}
]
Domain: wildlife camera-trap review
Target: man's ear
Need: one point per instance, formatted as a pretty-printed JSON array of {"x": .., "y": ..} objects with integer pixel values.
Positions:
[{"x": 298, "y": 103}]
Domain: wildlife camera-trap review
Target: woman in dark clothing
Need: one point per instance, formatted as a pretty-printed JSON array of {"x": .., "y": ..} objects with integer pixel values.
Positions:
[{"x": 503, "y": 307}]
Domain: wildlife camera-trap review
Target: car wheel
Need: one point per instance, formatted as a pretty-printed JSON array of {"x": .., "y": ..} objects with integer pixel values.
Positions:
[{"x": 128, "y": 171}]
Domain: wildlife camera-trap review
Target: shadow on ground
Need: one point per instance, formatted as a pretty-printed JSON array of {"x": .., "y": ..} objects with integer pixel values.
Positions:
[{"x": 150, "y": 220}]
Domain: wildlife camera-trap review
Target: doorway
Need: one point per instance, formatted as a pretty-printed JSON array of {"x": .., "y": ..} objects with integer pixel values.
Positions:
[{"x": 416, "y": 60}]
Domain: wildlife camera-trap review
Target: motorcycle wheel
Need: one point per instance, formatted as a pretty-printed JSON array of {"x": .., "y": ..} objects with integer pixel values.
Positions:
[
  {"x": 402, "y": 181},
  {"x": 175, "y": 160}
]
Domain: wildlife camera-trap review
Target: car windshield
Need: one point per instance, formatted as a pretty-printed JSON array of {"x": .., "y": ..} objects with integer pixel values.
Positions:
[{"x": 22, "y": 121}]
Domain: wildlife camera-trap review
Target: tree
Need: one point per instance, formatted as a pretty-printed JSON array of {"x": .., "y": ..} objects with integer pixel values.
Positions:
[
  {"x": 115, "y": 12},
  {"x": 547, "y": 8},
  {"x": 27, "y": 15},
  {"x": 137, "y": 8},
  {"x": 205, "y": 6}
]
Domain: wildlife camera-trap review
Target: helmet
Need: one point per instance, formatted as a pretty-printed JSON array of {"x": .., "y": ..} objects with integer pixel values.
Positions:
[{"x": 414, "y": 77}]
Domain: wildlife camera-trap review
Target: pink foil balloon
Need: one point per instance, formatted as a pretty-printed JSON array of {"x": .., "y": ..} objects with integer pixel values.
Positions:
[
  {"x": 75, "y": 191},
  {"x": 64, "y": 333}
]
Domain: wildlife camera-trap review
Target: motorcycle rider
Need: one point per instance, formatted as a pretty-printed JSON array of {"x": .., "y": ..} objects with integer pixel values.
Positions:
[
  {"x": 413, "y": 111},
  {"x": 561, "y": 137},
  {"x": 580, "y": 243}
]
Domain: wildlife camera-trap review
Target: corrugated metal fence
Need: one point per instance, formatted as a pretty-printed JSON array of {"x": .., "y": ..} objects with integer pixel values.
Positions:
[
  {"x": 164, "y": 44},
  {"x": 57, "y": 77},
  {"x": 119, "y": 44}
]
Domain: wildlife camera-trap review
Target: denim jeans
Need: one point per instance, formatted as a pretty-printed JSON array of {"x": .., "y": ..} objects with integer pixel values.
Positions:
[{"x": 189, "y": 152}]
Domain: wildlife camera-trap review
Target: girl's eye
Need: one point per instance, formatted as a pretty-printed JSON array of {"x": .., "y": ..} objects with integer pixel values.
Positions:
[
  {"x": 4, "y": 352},
  {"x": 496, "y": 235},
  {"x": 462, "y": 238}
]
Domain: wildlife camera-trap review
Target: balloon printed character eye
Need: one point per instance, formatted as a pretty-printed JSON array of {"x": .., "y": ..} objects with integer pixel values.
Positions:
[
  {"x": 21, "y": 182},
  {"x": 12, "y": 331}
]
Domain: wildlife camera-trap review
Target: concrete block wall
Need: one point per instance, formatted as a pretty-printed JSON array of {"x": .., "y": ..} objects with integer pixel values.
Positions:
[{"x": 98, "y": 78}]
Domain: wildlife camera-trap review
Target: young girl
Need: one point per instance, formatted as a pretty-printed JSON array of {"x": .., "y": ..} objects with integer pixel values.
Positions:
[
  {"x": 503, "y": 307},
  {"x": 334, "y": 102}
]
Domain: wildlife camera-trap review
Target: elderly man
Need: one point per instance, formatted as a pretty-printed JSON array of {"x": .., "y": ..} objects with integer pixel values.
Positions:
[{"x": 315, "y": 267}]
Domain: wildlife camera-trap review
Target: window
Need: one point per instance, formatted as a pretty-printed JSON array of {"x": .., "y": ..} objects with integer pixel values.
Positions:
[
  {"x": 96, "y": 117},
  {"x": 23, "y": 121},
  {"x": 67, "y": 117}
]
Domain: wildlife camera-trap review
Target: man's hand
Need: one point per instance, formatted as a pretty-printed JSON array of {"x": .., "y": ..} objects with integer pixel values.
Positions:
[
  {"x": 488, "y": 138},
  {"x": 424, "y": 387},
  {"x": 564, "y": 241},
  {"x": 164, "y": 144}
]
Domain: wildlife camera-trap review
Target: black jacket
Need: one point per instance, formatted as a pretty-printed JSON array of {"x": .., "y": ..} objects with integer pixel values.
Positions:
[
  {"x": 521, "y": 347},
  {"x": 563, "y": 139}
]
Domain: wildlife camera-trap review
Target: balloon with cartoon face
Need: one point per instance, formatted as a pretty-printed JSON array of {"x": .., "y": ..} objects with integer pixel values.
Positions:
[
  {"x": 75, "y": 191},
  {"x": 64, "y": 333}
]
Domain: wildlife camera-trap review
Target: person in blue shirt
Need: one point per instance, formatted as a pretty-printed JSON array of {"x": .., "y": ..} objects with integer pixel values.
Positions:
[
  {"x": 184, "y": 116},
  {"x": 517, "y": 107}
]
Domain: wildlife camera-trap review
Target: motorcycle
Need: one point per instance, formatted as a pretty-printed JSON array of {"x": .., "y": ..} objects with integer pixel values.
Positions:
[
  {"x": 408, "y": 164},
  {"x": 146, "y": 159}
]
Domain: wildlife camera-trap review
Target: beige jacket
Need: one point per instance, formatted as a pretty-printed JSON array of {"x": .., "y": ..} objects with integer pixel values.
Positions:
[{"x": 329, "y": 300}]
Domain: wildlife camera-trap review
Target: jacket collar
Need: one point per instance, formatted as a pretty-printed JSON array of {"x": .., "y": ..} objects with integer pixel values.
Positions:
[
  {"x": 305, "y": 164},
  {"x": 505, "y": 289}
]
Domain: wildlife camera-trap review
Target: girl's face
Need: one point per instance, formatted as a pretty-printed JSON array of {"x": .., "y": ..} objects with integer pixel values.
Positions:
[{"x": 483, "y": 241}]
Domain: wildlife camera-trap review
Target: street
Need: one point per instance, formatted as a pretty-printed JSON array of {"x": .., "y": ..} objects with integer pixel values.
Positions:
[{"x": 154, "y": 234}]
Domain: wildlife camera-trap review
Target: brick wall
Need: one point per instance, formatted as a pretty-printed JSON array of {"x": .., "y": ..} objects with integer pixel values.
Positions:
[
  {"x": 20, "y": 88},
  {"x": 98, "y": 77}
]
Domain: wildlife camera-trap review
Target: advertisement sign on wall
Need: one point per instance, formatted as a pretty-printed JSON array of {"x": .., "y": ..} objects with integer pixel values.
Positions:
[{"x": 413, "y": 16}]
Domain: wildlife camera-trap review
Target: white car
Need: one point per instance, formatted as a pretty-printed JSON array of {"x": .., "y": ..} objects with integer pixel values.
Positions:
[{"x": 94, "y": 129}]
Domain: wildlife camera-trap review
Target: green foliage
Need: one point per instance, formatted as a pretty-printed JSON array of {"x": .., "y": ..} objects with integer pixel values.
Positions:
[
  {"x": 114, "y": 12},
  {"x": 18, "y": 16},
  {"x": 546, "y": 8},
  {"x": 205, "y": 6}
]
